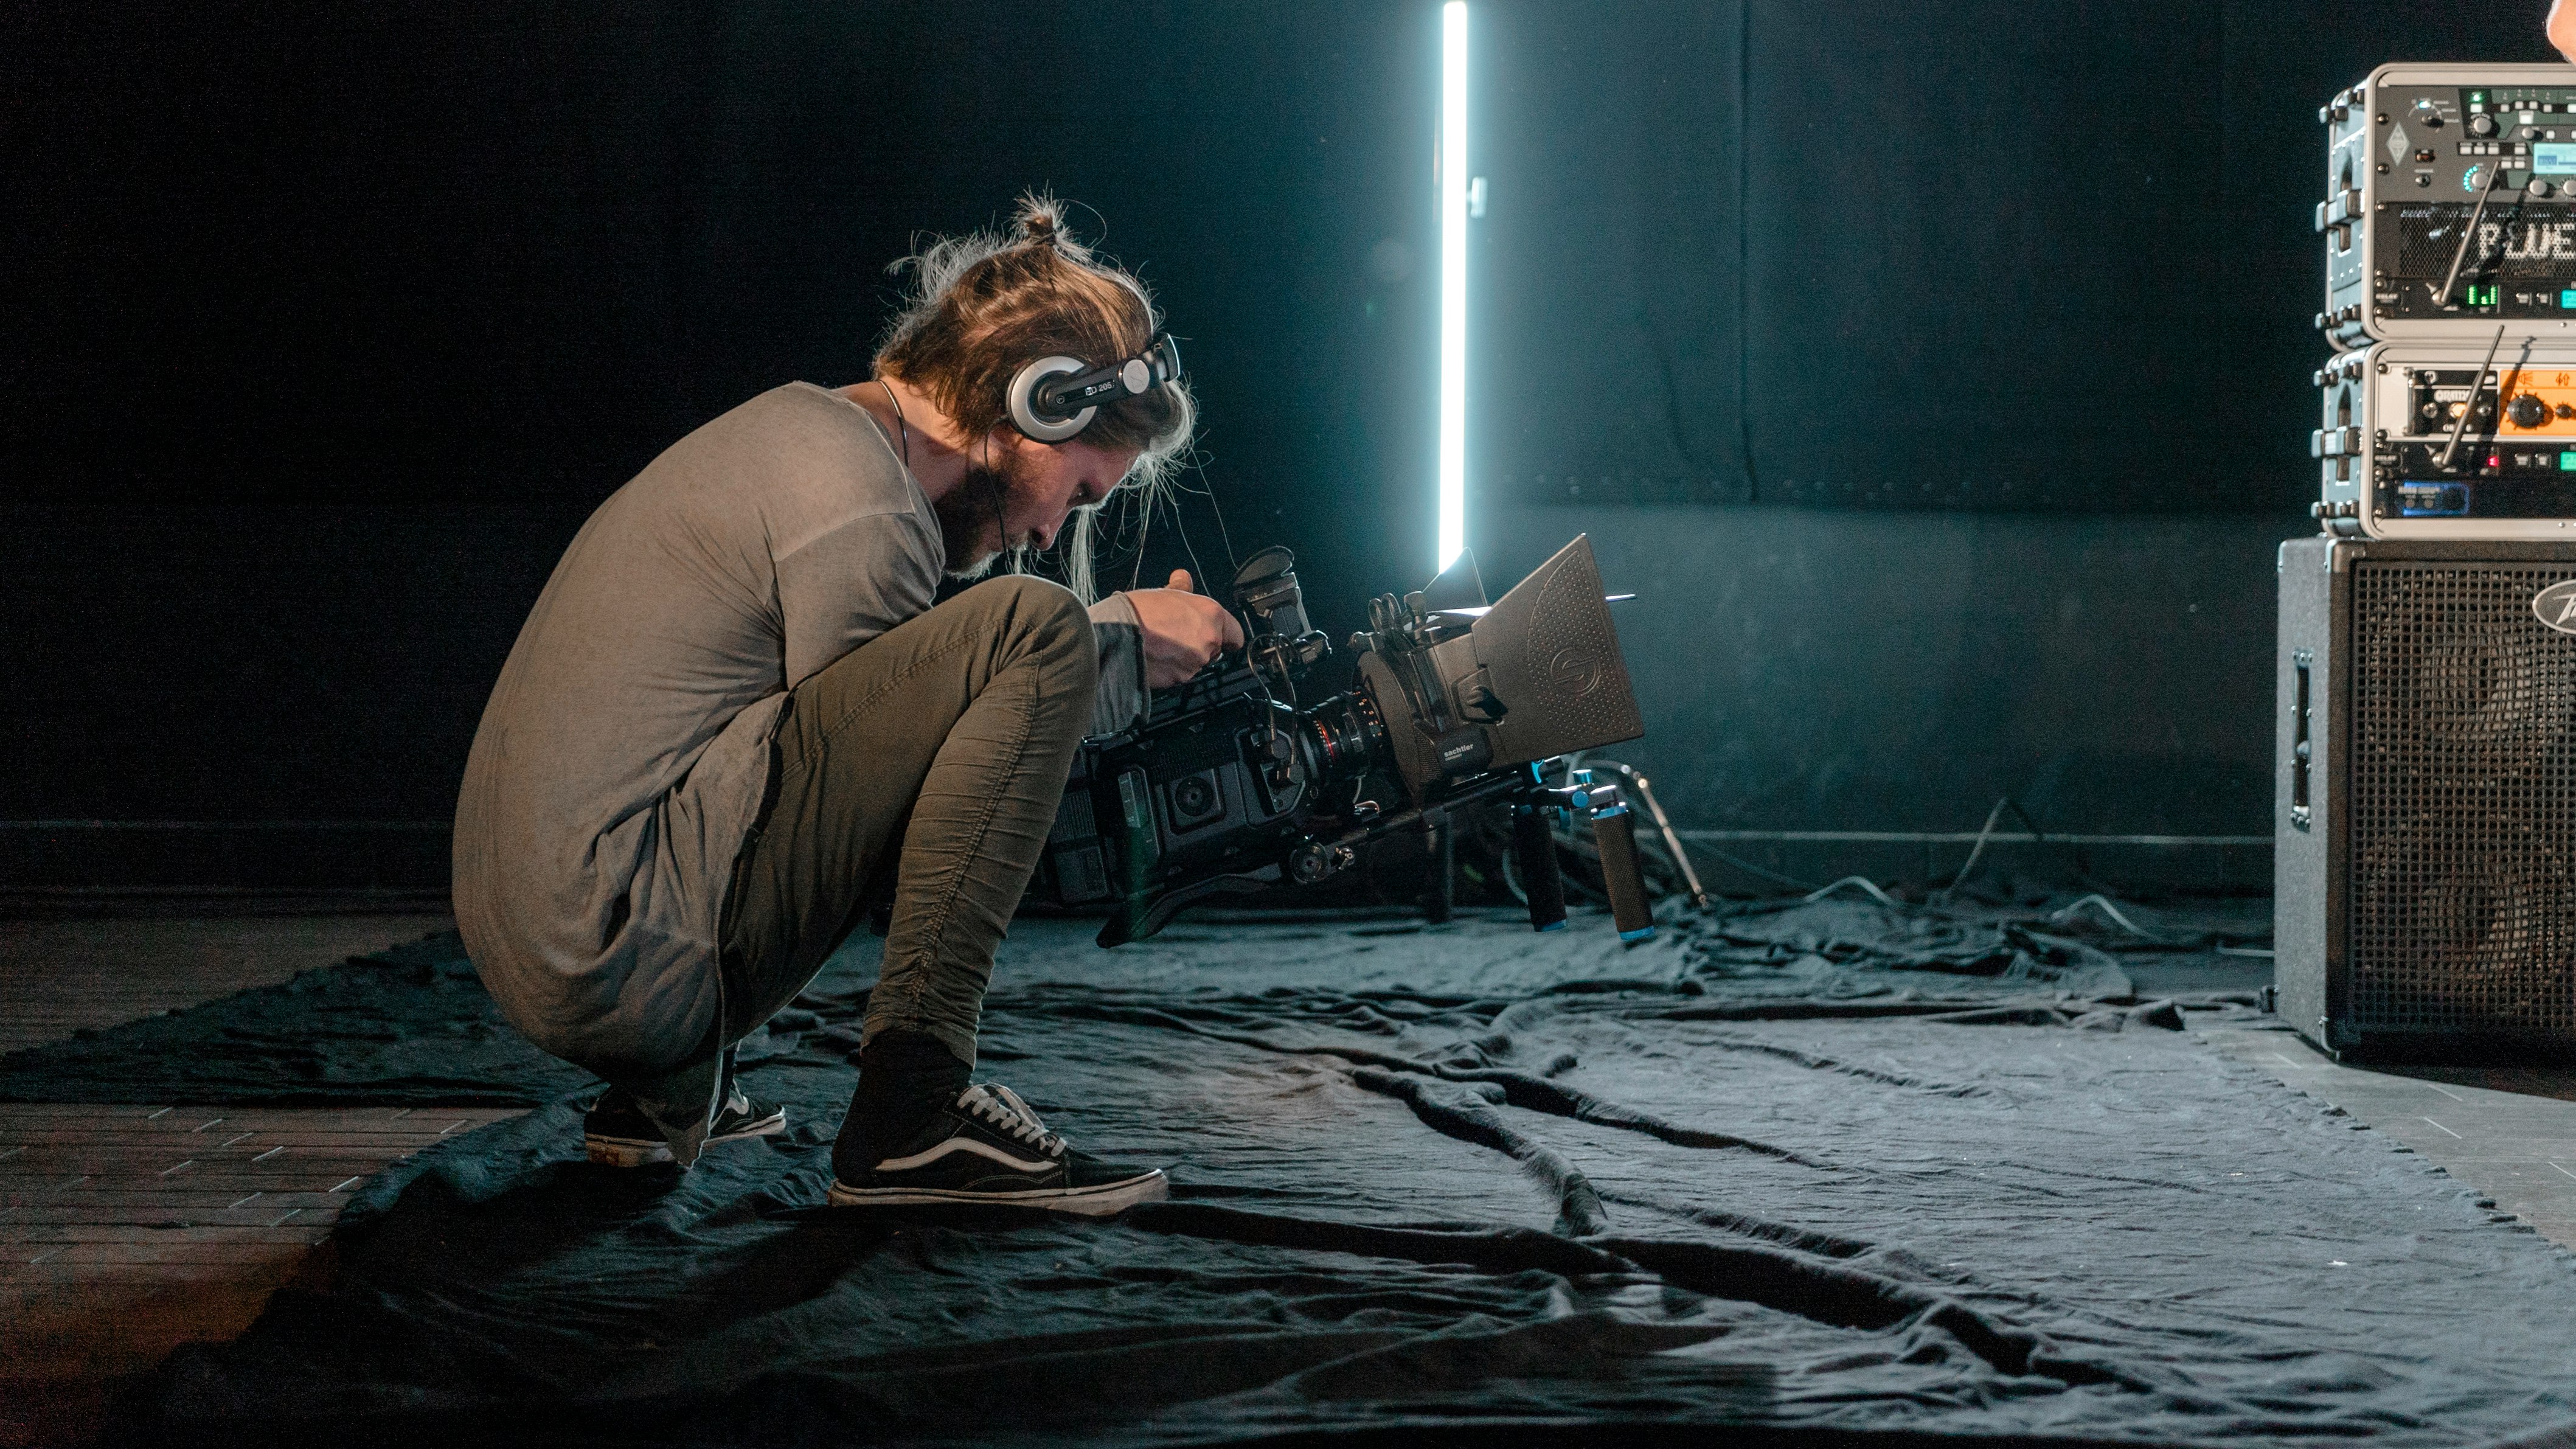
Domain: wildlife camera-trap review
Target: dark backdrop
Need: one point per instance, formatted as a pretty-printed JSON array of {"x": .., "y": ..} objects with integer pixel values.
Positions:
[{"x": 326, "y": 329}]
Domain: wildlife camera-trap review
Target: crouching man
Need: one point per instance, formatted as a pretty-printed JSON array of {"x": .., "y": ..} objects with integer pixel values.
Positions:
[{"x": 734, "y": 709}]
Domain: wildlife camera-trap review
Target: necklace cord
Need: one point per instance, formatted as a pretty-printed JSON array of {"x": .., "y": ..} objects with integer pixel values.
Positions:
[{"x": 902, "y": 428}]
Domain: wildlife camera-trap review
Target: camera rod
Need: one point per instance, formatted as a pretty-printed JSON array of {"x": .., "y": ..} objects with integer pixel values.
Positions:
[{"x": 1534, "y": 847}]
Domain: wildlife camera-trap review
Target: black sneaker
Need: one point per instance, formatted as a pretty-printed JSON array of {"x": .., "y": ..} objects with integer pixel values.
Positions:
[
  {"x": 616, "y": 1133},
  {"x": 988, "y": 1147}
]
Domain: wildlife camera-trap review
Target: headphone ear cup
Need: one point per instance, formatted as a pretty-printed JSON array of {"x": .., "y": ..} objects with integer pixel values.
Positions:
[{"x": 1024, "y": 405}]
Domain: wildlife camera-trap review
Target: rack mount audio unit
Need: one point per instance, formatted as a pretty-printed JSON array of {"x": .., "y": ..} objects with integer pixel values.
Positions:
[{"x": 2448, "y": 209}]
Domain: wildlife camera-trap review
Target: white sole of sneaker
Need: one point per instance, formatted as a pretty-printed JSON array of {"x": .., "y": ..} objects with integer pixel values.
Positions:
[
  {"x": 1091, "y": 1202},
  {"x": 640, "y": 1152}
]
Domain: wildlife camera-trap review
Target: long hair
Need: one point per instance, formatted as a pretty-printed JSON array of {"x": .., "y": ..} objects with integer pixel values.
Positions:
[{"x": 983, "y": 305}]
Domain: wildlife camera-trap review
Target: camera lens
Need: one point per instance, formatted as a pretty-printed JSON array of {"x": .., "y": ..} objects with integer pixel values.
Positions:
[
  {"x": 1341, "y": 737},
  {"x": 1192, "y": 797}
]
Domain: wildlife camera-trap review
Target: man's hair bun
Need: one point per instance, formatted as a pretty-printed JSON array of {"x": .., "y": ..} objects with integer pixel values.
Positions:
[{"x": 1041, "y": 220}]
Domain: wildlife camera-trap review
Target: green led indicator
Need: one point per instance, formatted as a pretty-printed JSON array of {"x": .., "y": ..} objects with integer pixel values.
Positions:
[{"x": 2567, "y": 462}]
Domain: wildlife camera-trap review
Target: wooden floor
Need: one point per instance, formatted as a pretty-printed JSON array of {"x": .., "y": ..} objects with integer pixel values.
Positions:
[
  {"x": 126, "y": 1230},
  {"x": 59, "y": 975}
]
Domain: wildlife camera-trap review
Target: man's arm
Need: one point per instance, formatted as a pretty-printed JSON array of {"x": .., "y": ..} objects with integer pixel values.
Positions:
[
  {"x": 2562, "y": 27},
  {"x": 1154, "y": 639},
  {"x": 1123, "y": 693}
]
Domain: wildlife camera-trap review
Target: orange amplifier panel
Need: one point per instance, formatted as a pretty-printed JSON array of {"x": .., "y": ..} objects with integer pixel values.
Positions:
[
  {"x": 2450, "y": 440},
  {"x": 2536, "y": 401}
]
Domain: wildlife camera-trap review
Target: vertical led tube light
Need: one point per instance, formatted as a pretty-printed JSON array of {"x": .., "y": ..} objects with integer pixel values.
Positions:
[{"x": 1453, "y": 280}]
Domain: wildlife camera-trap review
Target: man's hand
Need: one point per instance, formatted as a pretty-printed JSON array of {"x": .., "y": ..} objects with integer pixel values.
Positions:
[
  {"x": 2562, "y": 27},
  {"x": 1183, "y": 630}
]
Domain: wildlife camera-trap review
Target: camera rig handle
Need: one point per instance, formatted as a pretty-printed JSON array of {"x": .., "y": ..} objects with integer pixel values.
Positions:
[
  {"x": 1641, "y": 795},
  {"x": 1534, "y": 856},
  {"x": 1613, "y": 829}
]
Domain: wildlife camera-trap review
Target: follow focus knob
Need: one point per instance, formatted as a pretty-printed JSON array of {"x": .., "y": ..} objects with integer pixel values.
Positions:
[
  {"x": 2482, "y": 125},
  {"x": 2527, "y": 411}
]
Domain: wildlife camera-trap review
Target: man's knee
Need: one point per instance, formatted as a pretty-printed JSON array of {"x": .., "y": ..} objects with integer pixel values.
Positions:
[{"x": 1038, "y": 619}]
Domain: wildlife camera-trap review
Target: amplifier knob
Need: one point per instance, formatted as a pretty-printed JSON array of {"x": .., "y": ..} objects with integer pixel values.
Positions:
[
  {"x": 2527, "y": 411},
  {"x": 2482, "y": 125},
  {"x": 2540, "y": 187}
]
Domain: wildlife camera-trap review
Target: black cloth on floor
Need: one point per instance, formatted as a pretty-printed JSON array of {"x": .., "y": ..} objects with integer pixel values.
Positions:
[
  {"x": 412, "y": 1026},
  {"x": 1456, "y": 1184}
]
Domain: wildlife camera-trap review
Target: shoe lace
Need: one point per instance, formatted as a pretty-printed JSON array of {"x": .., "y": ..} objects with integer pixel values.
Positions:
[{"x": 999, "y": 1105}]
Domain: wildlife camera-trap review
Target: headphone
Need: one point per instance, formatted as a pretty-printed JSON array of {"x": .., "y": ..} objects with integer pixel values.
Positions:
[{"x": 1053, "y": 398}]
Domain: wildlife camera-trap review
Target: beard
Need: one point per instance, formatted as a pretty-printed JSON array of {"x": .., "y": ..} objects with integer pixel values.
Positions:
[{"x": 971, "y": 516}]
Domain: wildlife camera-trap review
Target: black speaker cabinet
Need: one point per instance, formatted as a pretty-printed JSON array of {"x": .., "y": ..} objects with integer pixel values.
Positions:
[{"x": 2425, "y": 819}]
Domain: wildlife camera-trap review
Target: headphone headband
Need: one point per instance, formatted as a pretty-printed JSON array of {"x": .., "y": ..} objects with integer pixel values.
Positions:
[{"x": 1054, "y": 398}]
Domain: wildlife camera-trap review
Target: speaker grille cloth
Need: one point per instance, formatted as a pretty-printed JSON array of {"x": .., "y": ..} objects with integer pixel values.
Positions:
[{"x": 2463, "y": 803}]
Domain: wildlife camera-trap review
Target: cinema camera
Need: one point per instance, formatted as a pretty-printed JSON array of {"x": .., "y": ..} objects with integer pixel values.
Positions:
[{"x": 1230, "y": 787}]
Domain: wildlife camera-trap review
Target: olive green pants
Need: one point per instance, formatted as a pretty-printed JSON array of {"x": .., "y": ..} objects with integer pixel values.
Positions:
[
  {"x": 936, "y": 753},
  {"x": 940, "y": 747}
]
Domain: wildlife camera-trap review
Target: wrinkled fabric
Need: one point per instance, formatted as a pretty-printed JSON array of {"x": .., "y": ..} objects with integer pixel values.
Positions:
[
  {"x": 1462, "y": 1184},
  {"x": 412, "y": 1025},
  {"x": 1846, "y": 947}
]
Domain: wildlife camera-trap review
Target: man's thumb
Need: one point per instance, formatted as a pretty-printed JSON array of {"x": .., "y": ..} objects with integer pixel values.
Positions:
[{"x": 1180, "y": 580}]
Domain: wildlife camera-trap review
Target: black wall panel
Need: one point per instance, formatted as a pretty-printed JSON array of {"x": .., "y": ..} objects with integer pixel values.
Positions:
[
  {"x": 1993, "y": 256},
  {"x": 1983, "y": 273},
  {"x": 1604, "y": 329},
  {"x": 1868, "y": 670},
  {"x": 501, "y": 256}
]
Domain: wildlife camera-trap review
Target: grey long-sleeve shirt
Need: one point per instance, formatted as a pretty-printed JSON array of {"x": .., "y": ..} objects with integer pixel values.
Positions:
[{"x": 624, "y": 752}]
